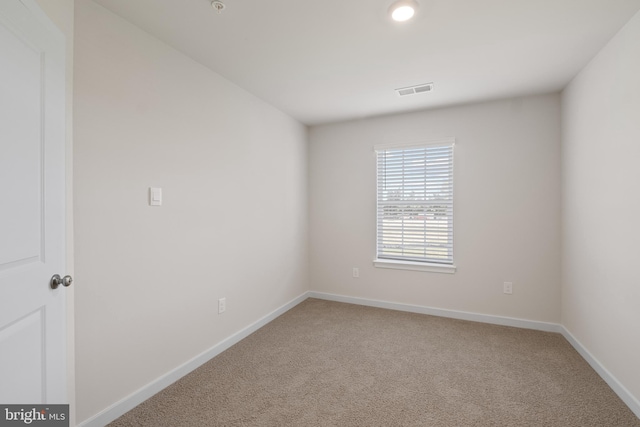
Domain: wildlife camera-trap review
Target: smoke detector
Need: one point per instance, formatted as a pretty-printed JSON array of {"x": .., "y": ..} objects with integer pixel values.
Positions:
[
  {"x": 414, "y": 90},
  {"x": 218, "y": 6}
]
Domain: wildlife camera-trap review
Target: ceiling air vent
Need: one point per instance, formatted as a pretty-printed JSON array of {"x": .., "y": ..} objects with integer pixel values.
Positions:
[{"x": 412, "y": 90}]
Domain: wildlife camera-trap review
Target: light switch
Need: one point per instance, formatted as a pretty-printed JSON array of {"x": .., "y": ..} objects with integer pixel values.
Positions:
[{"x": 155, "y": 196}]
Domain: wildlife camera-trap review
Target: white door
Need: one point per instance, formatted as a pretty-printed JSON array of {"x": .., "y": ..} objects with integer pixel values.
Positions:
[{"x": 32, "y": 134}]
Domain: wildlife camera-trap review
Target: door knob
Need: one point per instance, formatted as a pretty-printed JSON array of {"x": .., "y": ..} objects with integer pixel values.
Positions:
[{"x": 56, "y": 281}]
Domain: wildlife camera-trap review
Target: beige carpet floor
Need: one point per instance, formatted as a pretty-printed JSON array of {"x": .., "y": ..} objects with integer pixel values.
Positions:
[{"x": 332, "y": 364}]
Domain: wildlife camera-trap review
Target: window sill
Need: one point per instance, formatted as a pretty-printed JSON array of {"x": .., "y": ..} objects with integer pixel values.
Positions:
[{"x": 415, "y": 266}]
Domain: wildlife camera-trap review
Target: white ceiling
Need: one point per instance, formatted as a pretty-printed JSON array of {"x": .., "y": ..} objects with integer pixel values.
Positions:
[{"x": 332, "y": 60}]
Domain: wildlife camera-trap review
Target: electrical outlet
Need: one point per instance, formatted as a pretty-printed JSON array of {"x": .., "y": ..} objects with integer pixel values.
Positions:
[
  {"x": 508, "y": 288},
  {"x": 356, "y": 272},
  {"x": 222, "y": 305}
]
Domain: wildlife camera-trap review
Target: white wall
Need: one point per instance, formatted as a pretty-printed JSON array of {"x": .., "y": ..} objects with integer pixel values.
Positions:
[
  {"x": 147, "y": 279},
  {"x": 506, "y": 208},
  {"x": 601, "y": 207},
  {"x": 61, "y": 14},
  {"x": 233, "y": 224}
]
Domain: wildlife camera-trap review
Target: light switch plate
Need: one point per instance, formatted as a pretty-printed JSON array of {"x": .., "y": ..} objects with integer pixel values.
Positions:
[{"x": 155, "y": 196}]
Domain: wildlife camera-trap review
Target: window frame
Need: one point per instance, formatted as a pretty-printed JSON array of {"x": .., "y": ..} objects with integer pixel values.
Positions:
[{"x": 403, "y": 264}]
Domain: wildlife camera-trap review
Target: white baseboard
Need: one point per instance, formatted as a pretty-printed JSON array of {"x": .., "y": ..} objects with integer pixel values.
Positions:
[
  {"x": 604, "y": 373},
  {"x": 134, "y": 399},
  {"x": 121, "y": 407},
  {"x": 453, "y": 314}
]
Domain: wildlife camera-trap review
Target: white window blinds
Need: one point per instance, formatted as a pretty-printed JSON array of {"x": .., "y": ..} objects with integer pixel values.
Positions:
[{"x": 415, "y": 203}]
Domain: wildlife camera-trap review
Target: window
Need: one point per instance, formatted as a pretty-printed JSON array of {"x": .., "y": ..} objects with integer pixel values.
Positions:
[{"x": 415, "y": 206}]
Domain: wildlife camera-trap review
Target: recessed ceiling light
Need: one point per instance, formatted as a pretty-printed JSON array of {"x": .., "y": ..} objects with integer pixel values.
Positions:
[{"x": 403, "y": 10}]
